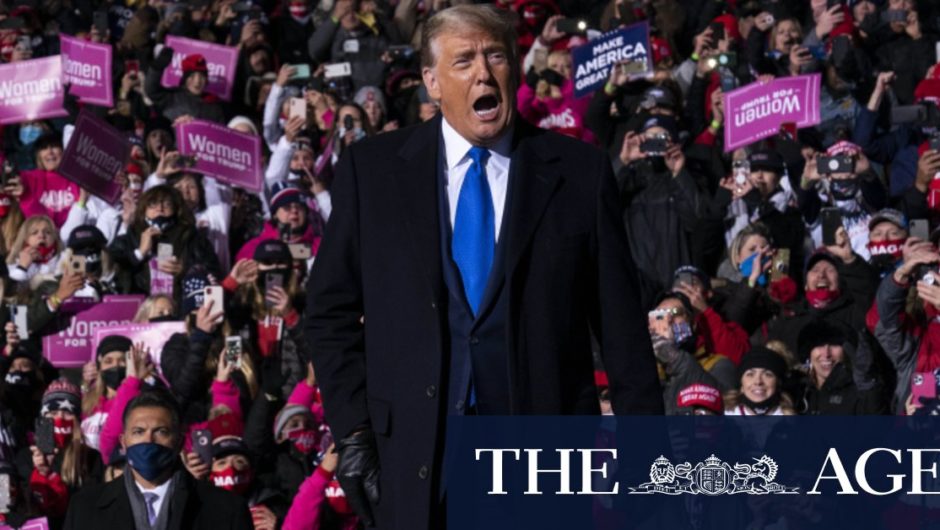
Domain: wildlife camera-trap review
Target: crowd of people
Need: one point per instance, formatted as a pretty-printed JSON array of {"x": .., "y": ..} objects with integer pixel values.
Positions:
[{"x": 776, "y": 283}]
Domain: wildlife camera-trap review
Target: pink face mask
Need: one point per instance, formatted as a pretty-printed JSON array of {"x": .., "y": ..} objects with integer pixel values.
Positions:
[
  {"x": 821, "y": 297},
  {"x": 305, "y": 440},
  {"x": 238, "y": 482},
  {"x": 298, "y": 9},
  {"x": 62, "y": 431},
  {"x": 45, "y": 253}
]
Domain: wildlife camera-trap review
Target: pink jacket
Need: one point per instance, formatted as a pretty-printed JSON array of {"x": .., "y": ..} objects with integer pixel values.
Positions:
[
  {"x": 222, "y": 394},
  {"x": 564, "y": 115},
  {"x": 47, "y": 193},
  {"x": 270, "y": 232},
  {"x": 304, "y": 513}
]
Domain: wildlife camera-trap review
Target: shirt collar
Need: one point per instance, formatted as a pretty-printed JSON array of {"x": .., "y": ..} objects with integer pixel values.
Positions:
[
  {"x": 456, "y": 146},
  {"x": 160, "y": 490}
]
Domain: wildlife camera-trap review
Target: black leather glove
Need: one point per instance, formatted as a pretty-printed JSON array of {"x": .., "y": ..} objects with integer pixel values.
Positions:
[
  {"x": 163, "y": 59},
  {"x": 358, "y": 473}
]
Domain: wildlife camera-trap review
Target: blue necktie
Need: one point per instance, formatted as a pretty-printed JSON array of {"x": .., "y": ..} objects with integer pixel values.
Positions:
[
  {"x": 474, "y": 239},
  {"x": 151, "y": 499}
]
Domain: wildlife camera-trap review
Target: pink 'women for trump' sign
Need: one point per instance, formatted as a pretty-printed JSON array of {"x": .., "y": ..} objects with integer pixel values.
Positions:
[
  {"x": 31, "y": 90},
  {"x": 86, "y": 66},
  {"x": 226, "y": 154},
  {"x": 757, "y": 111},
  {"x": 220, "y": 60}
]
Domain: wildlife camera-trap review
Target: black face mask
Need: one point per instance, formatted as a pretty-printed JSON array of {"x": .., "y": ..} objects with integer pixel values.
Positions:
[
  {"x": 21, "y": 381},
  {"x": 844, "y": 190},
  {"x": 112, "y": 377},
  {"x": 285, "y": 228},
  {"x": 162, "y": 222}
]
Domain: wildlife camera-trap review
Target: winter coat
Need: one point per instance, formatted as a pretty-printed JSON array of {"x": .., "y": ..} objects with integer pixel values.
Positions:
[
  {"x": 133, "y": 275},
  {"x": 307, "y": 510},
  {"x": 331, "y": 43},
  {"x": 726, "y": 338},
  {"x": 850, "y": 388},
  {"x": 682, "y": 369},
  {"x": 736, "y": 301},
  {"x": 906, "y": 343},
  {"x": 50, "y": 493},
  {"x": 909, "y": 59},
  {"x": 176, "y": 102},
  {"x": 897, "y": 148},
  {"x": 660, "y": 213}
]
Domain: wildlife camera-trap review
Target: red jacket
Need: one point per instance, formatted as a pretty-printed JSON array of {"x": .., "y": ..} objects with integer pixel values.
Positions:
[{"x": 725, "y": 338}]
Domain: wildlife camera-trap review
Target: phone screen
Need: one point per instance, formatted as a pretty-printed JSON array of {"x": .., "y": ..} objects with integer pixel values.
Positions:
[
  {"x": 233, "y": 350},
  {"x": 164, "y": 251}
]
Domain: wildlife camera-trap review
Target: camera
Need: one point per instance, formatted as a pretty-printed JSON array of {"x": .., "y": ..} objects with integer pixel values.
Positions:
[
  {"x": 828, "y": 165},
  {"x": 655, "y": 145},
  {"x": 925, "y": 114}
]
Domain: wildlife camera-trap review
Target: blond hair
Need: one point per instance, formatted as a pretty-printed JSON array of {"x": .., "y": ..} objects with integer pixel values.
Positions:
[
  {"x": 23, "y": 233},
  {"x": 495, "y": 22},
  {"x": 753, "y": 229},
  {"x": 145, "y": 311}
]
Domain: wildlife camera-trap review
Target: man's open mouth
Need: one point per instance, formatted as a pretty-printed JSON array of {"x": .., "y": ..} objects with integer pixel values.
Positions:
[{"x": 486, "y": 107}]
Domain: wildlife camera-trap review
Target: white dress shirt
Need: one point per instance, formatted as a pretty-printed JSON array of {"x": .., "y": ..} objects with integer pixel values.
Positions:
[
  {"x": 160, "y": 491},
  {"x": 456, "y": 148}
]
